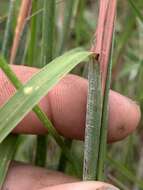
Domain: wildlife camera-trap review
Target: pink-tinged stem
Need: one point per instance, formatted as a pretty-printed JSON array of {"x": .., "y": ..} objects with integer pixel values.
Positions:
[
  {"x": 99, "y": 84},
  {"x": 23, "y": 13},
  {"x": 103, "y": 35}
]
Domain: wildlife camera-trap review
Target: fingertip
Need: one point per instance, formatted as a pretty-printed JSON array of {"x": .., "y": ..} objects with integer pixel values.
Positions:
[{"x": 124, "y": 116}]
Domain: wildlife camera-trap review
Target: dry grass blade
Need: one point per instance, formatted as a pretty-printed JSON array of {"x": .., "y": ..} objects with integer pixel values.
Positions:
[{"x": 23, "y": 14}]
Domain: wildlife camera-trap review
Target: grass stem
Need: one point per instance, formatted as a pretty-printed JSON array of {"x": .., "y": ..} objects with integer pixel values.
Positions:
[
  {"x": 41, "y": 151},
  {"x": 104, "y": 121},
  {"x": 48, "y": 26},
  {"x": 93, "y": 122},
  {"x": 40, "y": 114},
  {"x": 124, "y": 171},
  {"x": 63, "y": 160},
  {"x": 7, "y": 151},
  {"x": 8, "y": 28},
  {"x": 47, "y": 31},
  {"x": 69, "y": 5},
  {"x": 136, "y": 10},
  {"x": 33, "y": 35}
]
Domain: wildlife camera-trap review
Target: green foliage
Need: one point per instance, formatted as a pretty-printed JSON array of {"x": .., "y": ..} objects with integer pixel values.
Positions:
[
  {"x": 7, "y": 151},
  {"x": 68, "y": 28},
  {"x": 93, "y": 123},
  {"x": 24, "y": 100}
]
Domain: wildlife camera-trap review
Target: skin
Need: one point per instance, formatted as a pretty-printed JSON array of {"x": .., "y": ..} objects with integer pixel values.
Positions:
[{"x": 65, "y": 105}]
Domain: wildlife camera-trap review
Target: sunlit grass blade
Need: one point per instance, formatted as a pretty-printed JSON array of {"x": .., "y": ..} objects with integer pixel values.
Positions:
[
  {"x": 67, "y": 62},
  {"x": 7, "y": 151},
  {"x": 25, "y": 99}
]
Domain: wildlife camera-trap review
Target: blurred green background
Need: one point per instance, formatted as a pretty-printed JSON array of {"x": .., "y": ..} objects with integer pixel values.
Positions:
[{"x": 127, "y": 78}]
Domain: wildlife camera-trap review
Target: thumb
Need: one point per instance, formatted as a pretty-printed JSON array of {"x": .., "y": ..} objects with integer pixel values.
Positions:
[{"x": 90, "y": 185}]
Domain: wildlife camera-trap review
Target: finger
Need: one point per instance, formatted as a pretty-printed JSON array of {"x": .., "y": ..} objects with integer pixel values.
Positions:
[
  {"x": 65, "y": 105},
  {"x": 24, "y": 176},
  {"x": 92, "y": 185}
]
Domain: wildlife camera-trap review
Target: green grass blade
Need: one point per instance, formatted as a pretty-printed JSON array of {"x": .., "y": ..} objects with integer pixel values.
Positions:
[
  {"x": 80, "y": 27},
  {"x": 93, "y": 122},
  {"x": 47, "y": 32},
  {"x": 48, "y": 23},
  {"x": 7, "y": 151},
  {"x": 116, "y": 182},
  {"x": 104, "y": 120},
  {"x": 124, "y": 171},
  {"x": 53, "y": 73},
  {"x": 8, "y": 27},
  {"x": 136, "y": 10},
  {"x": 69, "y": 5},
  {"x": 25, "y": 99},
  {"x": 41, "y": 150},
  {"x": 63, "y": 160},
  {"x": 123, "y": 38},
  {"x": 33, "y": 35}
]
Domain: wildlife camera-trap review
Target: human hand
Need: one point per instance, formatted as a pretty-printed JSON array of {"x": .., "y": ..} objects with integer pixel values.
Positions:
[{"x": 65, "y": 105}]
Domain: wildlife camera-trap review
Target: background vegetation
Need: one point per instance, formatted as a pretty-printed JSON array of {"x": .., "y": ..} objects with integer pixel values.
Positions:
[{"x": 79, "y": 18}]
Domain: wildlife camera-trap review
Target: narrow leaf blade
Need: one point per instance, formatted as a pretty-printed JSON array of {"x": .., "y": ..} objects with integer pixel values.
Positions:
[{"x": 31, "y": 93}]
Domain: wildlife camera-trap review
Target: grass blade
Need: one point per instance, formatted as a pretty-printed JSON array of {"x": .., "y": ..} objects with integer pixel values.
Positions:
[
  {"x": 136, "y": 10},
  {"x": 124, "y": 171},
  {"x": 41, "y": 83},
  {"x": 23, "y": 13},
  {"x": 93, "y": 122},
  {"x": 33, "y": 42},
  {"x": 7, "y": 151},
  {"x": 104, "y": 121},
  {"x": 123, "y": 38},
  {"x": 94, "y": 155},
  {"x": 8, "y": 27},
  {"x": 8, "y": 147},
  {"x": 116, "y": 182},
  {"x": 63, "y": 160},
  {"x": 41, "y": 150},
  {"x": 48, "y": 23},
  {"x": 47, "y": 32},
  {"x": 69, "y": 5}
]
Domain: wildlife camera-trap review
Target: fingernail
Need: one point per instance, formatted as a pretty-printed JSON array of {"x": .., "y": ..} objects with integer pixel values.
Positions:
[{"x": 107, "y": 188}]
